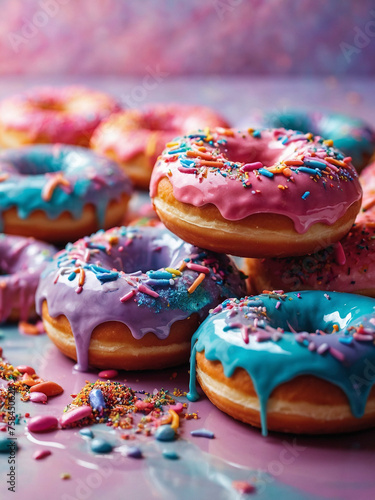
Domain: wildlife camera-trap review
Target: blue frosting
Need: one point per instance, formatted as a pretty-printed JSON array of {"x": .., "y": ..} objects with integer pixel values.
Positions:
[
  {"x": 336, "y": 323},
  {"x": 30, "y": 168},
  {"x": 350, "y": 135}
]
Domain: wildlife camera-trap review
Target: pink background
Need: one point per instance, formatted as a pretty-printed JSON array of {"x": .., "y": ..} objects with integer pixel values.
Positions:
[
  {"x": 242, "y": 37},
  {"x": 269, "y": 55}
]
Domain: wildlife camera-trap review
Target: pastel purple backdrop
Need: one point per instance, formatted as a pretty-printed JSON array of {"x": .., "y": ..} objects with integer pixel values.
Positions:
[{"x": 180, "y": 37}]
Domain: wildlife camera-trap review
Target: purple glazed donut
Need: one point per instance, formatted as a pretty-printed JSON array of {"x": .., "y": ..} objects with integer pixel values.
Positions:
[
  {"x": 21, "y": 262},
  {"x": 132, "y": 297}
]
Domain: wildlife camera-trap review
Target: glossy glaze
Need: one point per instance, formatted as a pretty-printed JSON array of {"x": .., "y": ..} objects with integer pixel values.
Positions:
[
  {"x": 281, "y": 328},
  {"x": 254, "y": 171}
]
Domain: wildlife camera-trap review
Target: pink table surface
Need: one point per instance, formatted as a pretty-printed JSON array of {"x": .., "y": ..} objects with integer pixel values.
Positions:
[
  {"x": 296, "y": 467},
  {"x": 281, "y": 466}
]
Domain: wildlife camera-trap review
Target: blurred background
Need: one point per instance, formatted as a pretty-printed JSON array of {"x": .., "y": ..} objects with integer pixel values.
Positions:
[{"x": 240, "y": 55}]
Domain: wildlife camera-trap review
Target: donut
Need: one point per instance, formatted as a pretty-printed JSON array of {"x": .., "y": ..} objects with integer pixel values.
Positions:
[
  {"x": 135, "y": 138},
  {"x": 367, "y": 180},
  {"x": 131, "y": 297},
  {"x": 350, "y": 135},
  {"x": 346, "y": 266},
  {"x": 59, "y": 193},
  {"x": 256, "y": 193},
  {"x": 66, "y": 115},
  {"x": 22, "y": 260},
  {"x": 256, "y": 360}
]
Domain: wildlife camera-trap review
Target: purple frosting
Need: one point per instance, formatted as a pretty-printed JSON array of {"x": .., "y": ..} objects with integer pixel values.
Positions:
[
  {"x": 109, "y": 277},
  {"x": 21, "y": 262}
]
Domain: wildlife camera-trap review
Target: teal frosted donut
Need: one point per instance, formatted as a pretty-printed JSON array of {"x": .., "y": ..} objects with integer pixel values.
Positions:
[
  {"x": 294, "y": 362},
  {"x": 351, "y": 135},
  {"x": 59, "y": 193}
]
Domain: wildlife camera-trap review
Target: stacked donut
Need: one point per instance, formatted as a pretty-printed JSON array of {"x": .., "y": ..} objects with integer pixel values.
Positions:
[
  {"x": 127, "y": 298},
  {"x": 352, "y": 136},
  {"x": 346, "y": 266},
  {"x": 132, "y": 297},
  {"x": 289, "y": 362},
  {"x": 51, "y": 186},
  {"x": 55, "y": 188},
  {"x": 49, "y": 190}
]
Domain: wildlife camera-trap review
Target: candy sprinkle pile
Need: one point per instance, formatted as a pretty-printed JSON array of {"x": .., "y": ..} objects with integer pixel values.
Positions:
[
  {"x": 117, "y": 405},
  {"x": 24, "y": 380}
]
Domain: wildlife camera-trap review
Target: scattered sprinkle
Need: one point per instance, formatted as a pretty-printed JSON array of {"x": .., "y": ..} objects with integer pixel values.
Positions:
[{"x": 203, "y": 433}]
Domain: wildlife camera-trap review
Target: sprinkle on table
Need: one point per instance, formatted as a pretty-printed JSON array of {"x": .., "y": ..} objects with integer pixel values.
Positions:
[
  {"x": 243, "y": 487},
  {"x": 203, "y": 433}
]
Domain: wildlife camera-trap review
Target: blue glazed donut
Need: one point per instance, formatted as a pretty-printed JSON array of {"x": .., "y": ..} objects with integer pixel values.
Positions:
[
  {"x": 58, "y": 193},
  {"x": 351, "y": 135},
  {"x": 294, "y": 362}
]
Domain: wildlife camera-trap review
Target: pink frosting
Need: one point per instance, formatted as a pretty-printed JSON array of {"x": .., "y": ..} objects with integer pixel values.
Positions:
[
  {"x": 227, "y": 173},
  {"x": 64, "y": 115},
  {"x": 134, "y": 132}
]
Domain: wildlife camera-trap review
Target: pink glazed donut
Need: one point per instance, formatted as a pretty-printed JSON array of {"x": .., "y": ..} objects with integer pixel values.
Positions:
[
  {"x": 256, "y": 193},
  {"x": 68, "y": 115},
  {"x": 135, "y": 138}
]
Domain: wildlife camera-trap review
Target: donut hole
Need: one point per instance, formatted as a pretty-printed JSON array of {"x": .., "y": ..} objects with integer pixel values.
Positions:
[
  {"x": 8, "y": 264},
  {"x": 253, "y": 151},
  {"x": 17, "y": 257},
  {"x": 320, "y": 320},
  {"x": 160, "y": 122},
  {"x": 147, "y": 251},
  {"x": 32, "y": 165},
  {"x": 159, "y": 119}
]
